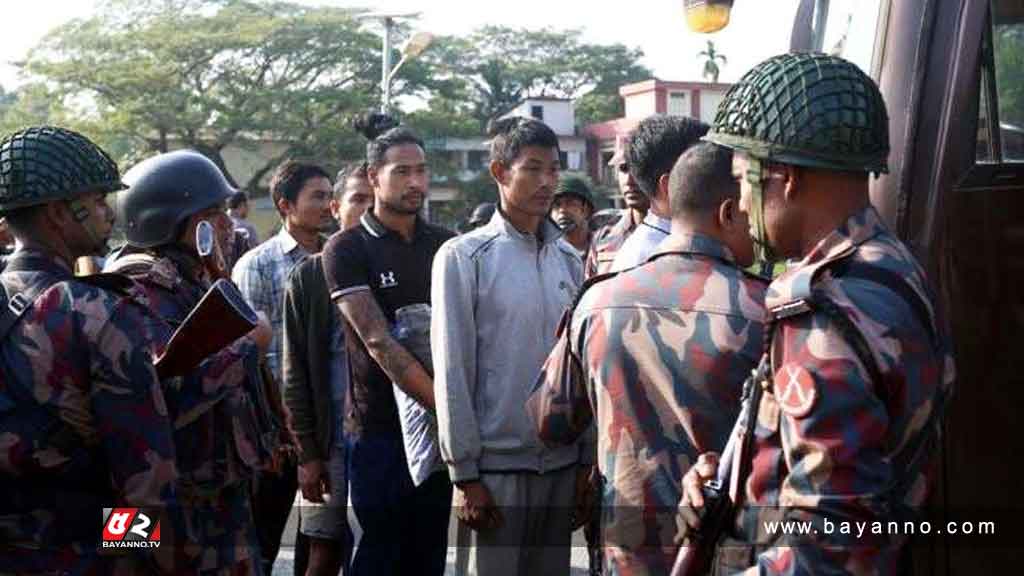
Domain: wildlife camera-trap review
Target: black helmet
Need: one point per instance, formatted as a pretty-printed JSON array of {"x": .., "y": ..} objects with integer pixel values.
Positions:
[
  {"x": 164, "y": 191},
  {"x": 482, "y": 214},
  {"x": 574, "y": 186},
  {"x": 46, "y": 163},
  {"x": 808, "y": 110}
]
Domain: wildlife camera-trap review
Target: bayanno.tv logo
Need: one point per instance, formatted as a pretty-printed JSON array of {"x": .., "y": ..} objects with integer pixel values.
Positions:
[{"x": 131, "y": 528}]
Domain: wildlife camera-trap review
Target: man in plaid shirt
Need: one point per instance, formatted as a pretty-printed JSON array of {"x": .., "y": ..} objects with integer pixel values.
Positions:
[{"x": 301, "y": 193}]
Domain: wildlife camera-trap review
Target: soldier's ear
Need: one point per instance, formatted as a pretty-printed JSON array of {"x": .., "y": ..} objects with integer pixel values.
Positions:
[
  {"x": 791, "y": 181},
  {"x": 57, "y": 215},
  {"x": 727, "y": 214}
]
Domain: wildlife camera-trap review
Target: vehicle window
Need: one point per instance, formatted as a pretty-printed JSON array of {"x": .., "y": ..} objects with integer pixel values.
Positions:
[
  {"x": 1008, "y": 64},
  {"x": 850, "y": 30},
  {"x": 985, "y": 151}
]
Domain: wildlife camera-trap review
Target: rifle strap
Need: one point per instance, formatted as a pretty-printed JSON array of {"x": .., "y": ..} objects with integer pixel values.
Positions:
[
  {"x": 14, "y": 302},
  {"x": 753, "y": 393}
]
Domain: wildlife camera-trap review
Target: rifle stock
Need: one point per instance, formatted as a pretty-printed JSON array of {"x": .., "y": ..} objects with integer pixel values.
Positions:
[{"x": 221, "y": 317}]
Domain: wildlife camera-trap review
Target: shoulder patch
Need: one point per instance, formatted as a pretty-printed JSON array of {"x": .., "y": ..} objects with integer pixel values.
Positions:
[{"x": 795, "y": 390}]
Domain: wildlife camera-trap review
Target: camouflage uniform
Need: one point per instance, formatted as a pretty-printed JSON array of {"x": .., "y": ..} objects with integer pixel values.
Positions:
[
  {"x": 217, "y": 424},
  {"x": 849, "y": 424},
  {"x": 77, "y": 359},
  {"x": 830, "y": 441},
  {"x": 606, "y": 243},
  {"x": 663, "y": 350}
]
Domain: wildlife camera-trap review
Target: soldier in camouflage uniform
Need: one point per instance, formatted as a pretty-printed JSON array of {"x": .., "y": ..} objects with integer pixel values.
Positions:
[
  {"x": 607, "y": 240},
  {"x": 83, "y": 423},
  {"x": 217, "y": 410},
  {"x": 848, "y": 427},
  {"x": 662, "y": 350}
]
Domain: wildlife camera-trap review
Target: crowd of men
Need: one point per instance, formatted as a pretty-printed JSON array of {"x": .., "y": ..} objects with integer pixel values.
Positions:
[{"x": 532, "y": 375}]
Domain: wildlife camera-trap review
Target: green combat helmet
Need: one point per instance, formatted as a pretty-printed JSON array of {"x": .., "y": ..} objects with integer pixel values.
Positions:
[
  {"x": 574, "y": 186},
  {"x": 809, "y": 110},
  {"x": 46, "y": 163}
]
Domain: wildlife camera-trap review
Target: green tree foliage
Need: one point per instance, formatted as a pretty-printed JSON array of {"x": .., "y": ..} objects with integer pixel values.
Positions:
[
  {"x": 30, "y": 105},
  {"x": 494, "y": 68},
  {"x": 6, "y": 99},
  {"x": 210, "y": 73},
  {"x": 283, "y": 79},
  {"x": 1009, "y": 60}
]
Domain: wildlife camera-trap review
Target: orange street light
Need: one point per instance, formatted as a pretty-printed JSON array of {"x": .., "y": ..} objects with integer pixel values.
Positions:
[{"x": 707, "y": 16}]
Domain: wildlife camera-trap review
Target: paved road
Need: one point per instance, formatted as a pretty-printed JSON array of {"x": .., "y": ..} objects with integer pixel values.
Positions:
[{"x": 284, "y": 565}]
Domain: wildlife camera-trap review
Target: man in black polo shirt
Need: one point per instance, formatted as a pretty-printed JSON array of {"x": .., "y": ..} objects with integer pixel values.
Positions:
[{"x": 372, "y": 271}]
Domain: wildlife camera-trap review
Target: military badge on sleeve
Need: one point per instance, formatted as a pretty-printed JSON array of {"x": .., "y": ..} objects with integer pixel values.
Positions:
[{"x": 795, "y": 390}]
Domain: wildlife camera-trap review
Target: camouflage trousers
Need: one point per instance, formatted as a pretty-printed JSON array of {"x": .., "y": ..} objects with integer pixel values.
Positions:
[{"x": 214, "y": 533}]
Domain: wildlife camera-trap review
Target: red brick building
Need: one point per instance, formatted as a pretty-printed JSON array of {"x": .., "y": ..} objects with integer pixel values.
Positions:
[{"x": 694, "y": 99}]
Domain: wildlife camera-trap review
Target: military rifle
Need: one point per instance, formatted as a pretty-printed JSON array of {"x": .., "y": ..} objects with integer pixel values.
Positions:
[
  {"x": 222, "y": 307},
  {"x": 212, "y": 256},
  {"x": 720, "y": 506}
]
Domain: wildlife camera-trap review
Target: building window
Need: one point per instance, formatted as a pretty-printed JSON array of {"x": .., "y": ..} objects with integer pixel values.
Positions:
[
  {"x": 563, "y": 160},
  {"x": 678, "y": 104},
  {"x": 574, "y": 161},
  {"x": 537, "y": 112}
]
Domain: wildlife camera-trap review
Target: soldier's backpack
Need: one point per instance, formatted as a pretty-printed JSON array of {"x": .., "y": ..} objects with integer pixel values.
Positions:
[
  {"x": 29, "y": 427},
  {"x": 26, "y": 422}
]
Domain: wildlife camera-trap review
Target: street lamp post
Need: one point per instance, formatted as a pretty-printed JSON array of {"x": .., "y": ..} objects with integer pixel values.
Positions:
[{"x": 413, "y": 48}]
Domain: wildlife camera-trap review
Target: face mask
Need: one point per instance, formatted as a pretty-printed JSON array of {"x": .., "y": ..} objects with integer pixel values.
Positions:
[{"x": 755, "y": 177}]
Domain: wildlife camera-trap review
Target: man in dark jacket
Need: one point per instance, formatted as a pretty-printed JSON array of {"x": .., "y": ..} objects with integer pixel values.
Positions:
[{"x": 315, "y": 380}]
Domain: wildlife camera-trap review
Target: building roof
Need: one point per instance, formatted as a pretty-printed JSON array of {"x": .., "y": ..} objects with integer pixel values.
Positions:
[{"x": 654, "y": 84}]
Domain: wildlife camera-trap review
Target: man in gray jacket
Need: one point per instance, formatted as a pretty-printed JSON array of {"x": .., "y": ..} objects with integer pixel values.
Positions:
[{"x": 499, "y": 292}]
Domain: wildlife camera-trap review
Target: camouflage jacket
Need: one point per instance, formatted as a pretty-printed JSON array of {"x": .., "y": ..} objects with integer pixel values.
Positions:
[
  {"x": 605, "y": 244},
  {"x": 78, "y": 379},
  {"x": 216, "y": 429},
  {"x": 832, "y": 444},
  {"x": 663, "y": 350}
]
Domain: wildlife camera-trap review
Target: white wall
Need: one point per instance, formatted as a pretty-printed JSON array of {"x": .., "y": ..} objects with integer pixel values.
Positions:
[
  {"x": 558, "y": 114},
  {"x": 709, "y": 101},
  {"x": 641, "y": 105}
]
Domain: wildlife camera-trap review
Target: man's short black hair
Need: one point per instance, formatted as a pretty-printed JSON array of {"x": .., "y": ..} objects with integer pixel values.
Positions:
[
  {"x": 351, "y": 170},
  {"x": 383, "y": 133},
  {"x": 510, "y": 135},
  {"x": 237, "y": 199},
  {"x": 21, "y": 222},
  {"x": 701, "y": 180},
  {"x": 655, "y": 145},
  {"x": 289, "y": 178}
]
